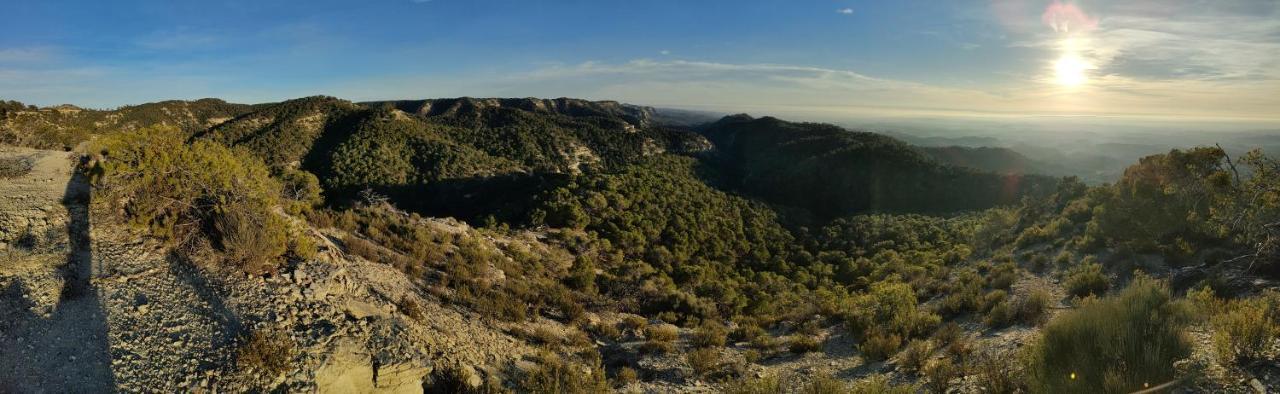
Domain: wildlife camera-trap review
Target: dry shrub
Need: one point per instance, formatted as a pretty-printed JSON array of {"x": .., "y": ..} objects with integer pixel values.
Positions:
[
  {"x": 878, "y": 345},
  {"x": 801, "y": 344},
  {"x": 662, "y": 332},
  {"x": 915, "y": 354},
  {"x": 879, "y": 384},
  {"x": 998, "y": 372},
  {"x": 939, "y": 373},
  {"x": 1244, "y": 329},
  {"x": 267, "y": 353},
  {"x": 556, "y": 375},
  {"x": 704, "y": 361},
  {"x": 710, "y": 334},
  {"x": 625, "y": 376}
]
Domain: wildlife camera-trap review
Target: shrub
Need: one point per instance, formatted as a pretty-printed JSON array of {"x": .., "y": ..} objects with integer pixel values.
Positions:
[
  {"x": 1243, "y": 329},
  {"x": 710, "y": 334},
  {"x": 1087, "y": 278},
  {"x": 751, "y": 356},
  {"x": 878, "y": 346},
  {"x": 657, "y": 347},
  {"x": 939, "y": 373},
  {"x": 888, "y": 311},
  {"x": 662, "y": 332},
  {"x": 302, "y": 246},
  {"x": 992, "y": 300},
  {"x": 1112, "y": 345},
  {"x": 546, "y": 336},
  {"x": 769, "y": 384},
  {"x": 748, "y": 332},
  {"x": 267, "y": 353},
  {"x": 915, "y": 354},
  {"x": 634, "y": 323},
  {"x": 1034, "y": 308},
  {"x": 251, "y": 240},
  {"x": 948, "y": 333},
  {"x": 1002, "y": 276},
  {"x": 997, "y": 372},
  {"x": 879, "y": 384},
  {"x": 555, "y": 375},
  {"x": 625, "y": 376},
  {"x": 703, "y": 361},
  {"x": 411, "y": 308},
  {"x": 177, "y": 191},
  {"x": 607, "y": 331},
  {"x": 801, "y": 344},
  {"x": 824, "y": 384}
]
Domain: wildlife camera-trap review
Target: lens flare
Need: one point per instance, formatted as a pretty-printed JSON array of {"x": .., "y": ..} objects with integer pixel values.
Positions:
[{"x": 1070, "y": 70}]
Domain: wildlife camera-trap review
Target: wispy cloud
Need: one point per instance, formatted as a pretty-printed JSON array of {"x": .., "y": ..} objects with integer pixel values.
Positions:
[
  {"x": 845, "y": 11},
  {"x": 28, "y": 55}
]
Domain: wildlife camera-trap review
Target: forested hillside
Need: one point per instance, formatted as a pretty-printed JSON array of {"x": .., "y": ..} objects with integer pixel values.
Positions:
[
  {"x": 833, "y": 172},
  {"x": 734, "y": 254}
]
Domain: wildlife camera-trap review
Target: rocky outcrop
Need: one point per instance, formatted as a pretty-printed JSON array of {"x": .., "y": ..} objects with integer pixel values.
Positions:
[{"x": 638, "y": 116}]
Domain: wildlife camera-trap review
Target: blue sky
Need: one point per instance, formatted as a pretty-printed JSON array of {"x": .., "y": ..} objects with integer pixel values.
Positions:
[{"x": 1140, "y": 58}]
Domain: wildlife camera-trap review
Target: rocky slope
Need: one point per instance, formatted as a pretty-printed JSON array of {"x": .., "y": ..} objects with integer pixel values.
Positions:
[{"x": 91, "y": 307}]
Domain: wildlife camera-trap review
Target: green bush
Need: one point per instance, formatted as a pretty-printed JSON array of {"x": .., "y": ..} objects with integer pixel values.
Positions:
[
  {"x": 878, "y": 346},
  {"x": 555, "y": 375},
  {"x": 178, "y": 191},
  {"x": 801, "y": 344},
  {"x": 710, "y": 334},
  {"x": 1086, "y": 279},
  {"x": 1003, "y": 275},
  {"x": 1034, "y": 308},
  {"x": 1000, "y": 315},
  {"x": 887, "y": 314},
  {"x": 1030, "y": 309},
  {"x": 1113, "y": 345},
  {"x": 1244, "y": 329}
]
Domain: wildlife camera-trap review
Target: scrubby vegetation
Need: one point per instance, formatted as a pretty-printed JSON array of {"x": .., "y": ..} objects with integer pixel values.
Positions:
[
  {"x": 1113, "y": 345},
  {"x": 265, "y": 352},
  {"x": 785, "y": 235},
  {"x": 192, "y": 193}
]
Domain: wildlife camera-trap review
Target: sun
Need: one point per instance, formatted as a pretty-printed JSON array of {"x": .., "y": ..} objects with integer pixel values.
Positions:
[{"x": 1071, "y": 71}]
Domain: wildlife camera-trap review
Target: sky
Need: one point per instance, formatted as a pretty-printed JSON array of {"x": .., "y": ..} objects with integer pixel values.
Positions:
[{"x": 1165, "y": 60}]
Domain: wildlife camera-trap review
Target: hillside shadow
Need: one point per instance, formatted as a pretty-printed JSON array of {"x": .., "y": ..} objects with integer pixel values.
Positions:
[{"x": 66, "y": 350}]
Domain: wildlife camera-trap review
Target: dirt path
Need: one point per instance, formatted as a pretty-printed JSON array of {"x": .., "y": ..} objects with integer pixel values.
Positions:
[{"x": 53, "y": 336}]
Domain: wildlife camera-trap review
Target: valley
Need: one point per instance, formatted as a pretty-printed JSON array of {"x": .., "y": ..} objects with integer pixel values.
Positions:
[{"x": 565, "y": 245}]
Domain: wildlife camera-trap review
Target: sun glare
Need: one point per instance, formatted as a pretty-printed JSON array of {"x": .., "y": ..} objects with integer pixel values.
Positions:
[{"x": 1070, "y": 70}]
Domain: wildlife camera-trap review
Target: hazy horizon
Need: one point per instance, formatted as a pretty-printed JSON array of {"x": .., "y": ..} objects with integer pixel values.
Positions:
[{"x": 1139, "y": 61}]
